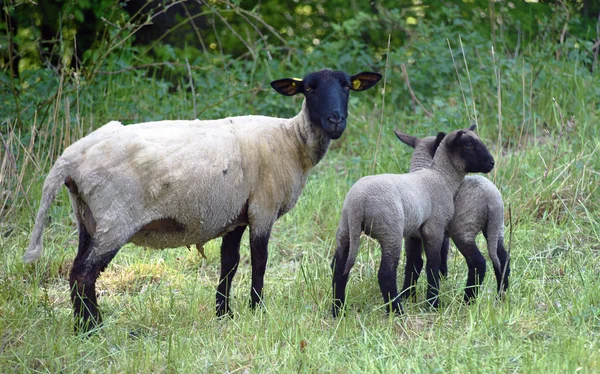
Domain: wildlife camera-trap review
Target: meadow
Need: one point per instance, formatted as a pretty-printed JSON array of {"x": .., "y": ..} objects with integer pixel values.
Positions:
[{"x": 538, "y": 112}]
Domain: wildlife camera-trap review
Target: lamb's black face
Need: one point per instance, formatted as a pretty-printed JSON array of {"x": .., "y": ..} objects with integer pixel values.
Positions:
[
  {"x": 472, "y": 151},
  {"x": 326, "y": 94}
]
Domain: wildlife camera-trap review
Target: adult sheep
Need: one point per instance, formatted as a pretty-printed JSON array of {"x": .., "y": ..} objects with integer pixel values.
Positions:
[
  {"x": 388, "y": 207},
  {"x": 478, "y": 207},
  {"x": 175, "y": 183}
]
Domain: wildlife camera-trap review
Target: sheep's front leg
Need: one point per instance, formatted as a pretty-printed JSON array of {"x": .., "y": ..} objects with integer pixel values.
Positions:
[
  {"x": 433, "y": 247},
  {"x": 230, "y": 258},
  {"x": 259, "y": 242},
  {"x": 413, "y": 267}
]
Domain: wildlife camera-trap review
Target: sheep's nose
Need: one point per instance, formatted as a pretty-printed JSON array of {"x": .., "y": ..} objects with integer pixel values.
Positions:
[{"x": 335, "y": 118}]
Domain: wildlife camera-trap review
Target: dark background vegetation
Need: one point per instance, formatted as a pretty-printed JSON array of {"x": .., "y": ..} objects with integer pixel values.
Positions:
[{"x": 234, "y": 48}]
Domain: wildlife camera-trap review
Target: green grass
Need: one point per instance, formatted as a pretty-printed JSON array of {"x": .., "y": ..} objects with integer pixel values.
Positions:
[{"x": 159, "y": 305}]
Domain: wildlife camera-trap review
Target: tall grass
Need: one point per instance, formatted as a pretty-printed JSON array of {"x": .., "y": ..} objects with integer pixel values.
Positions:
[{"x": 159, "y": 305}]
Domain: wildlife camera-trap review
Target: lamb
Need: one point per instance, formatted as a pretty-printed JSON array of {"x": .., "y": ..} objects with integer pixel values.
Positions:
[
  {"x": 478, "y": 207},
  {"x": 174, "y": 183},
  {"x": 388, "y": 207}
]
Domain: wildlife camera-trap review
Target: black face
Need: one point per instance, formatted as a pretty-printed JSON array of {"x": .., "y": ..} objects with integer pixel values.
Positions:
[
  {"x": 473, "y": 152},
  {"x": 326, "y": 94}
]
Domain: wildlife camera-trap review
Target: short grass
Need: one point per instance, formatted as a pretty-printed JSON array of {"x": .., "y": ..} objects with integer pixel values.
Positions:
[{"x": 159, "y": 305}]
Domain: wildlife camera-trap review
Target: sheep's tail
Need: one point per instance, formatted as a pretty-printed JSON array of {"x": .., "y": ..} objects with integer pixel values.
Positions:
[
  {"x": 52, "y": 184},
  {"x": 354, "y": 229}
]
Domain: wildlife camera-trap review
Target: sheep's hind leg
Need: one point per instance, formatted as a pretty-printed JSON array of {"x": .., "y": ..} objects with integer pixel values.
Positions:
[
  {"x": 444, "y": 253},
  {"x": 230, "y": 258},
  {"x": 87, "y": 266},
  {"x": 390, "y": 256},
  {"x": 340, "y": 280},
  {"x": 476, "y": 264},
  {"x": 413, "y": 267},
  {"x": 502, "y": 279}
]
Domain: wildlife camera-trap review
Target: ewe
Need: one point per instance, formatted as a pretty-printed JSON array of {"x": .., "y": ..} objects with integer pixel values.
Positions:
[
  {"x": 478, "y": 207},
  {"x": 388, "y": 207},
  {"x": 175, "y": 183}
]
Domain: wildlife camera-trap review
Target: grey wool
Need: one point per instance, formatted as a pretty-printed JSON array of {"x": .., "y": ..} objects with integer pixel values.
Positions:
[
  {"x": 478, "y": 207},
  {"x": 175, "y": 183},
  {"x": 388, "y": 207}
]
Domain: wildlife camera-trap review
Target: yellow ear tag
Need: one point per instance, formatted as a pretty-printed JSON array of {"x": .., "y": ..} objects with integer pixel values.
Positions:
[
  {"x": 293, "y": 84},
  {"x": 356, "y": 84}
]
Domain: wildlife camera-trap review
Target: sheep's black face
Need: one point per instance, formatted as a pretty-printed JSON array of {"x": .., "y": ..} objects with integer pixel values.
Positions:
[
  {"x": 326, "y": 94},
  {"x": 472, "y": 151}
]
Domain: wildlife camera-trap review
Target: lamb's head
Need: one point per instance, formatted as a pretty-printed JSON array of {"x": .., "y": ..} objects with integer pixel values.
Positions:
[
  {"x": 467, "y": 152},
  {"x": 326, "y": 94}
]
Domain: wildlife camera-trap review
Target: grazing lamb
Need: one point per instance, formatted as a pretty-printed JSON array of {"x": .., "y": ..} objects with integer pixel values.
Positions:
[
  {"x": 175, "y": 183},
  {"x": 478, "y": 207},
  {"x": 388, "y": 207}
]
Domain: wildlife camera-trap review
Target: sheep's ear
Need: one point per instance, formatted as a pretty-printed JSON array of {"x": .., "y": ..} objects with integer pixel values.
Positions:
[
  {"x": 364, "y": 81},
  {"x": 407, "y": 139},
  {"x": 438, "y": 140},
  {"x": 473, "y": 127},
  {"x": 287, "y": 86}
]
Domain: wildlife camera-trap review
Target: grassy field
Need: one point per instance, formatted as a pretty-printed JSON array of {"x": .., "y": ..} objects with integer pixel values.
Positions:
[{"x": 159, "y": 305}]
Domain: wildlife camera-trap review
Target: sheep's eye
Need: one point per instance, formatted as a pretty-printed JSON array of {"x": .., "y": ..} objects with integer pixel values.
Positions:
[
  {"x": 347, "y": 86},
  {"x": 468, "y": 146},
  {"x": 307, "y": 88}
]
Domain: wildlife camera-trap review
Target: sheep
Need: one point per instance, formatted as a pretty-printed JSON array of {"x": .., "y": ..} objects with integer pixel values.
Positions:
[
  {"x": 174, "y": 183},
  {"x": 388, "y": 207},
  {"x": 478, "y": 207}
]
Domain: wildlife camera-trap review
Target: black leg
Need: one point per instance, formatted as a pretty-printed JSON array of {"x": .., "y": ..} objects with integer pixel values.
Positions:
[
  {"x": 340, "y": 280},
  {"x": 230, "y": 258},
  {"x": 414, "y": 265},
  {"x": 84, "y": 273},
  {"x": 259, "y": 254},
  {"x": 475, "y": 263},
  {"x": 390, "y": 256},
  {"x": 502, "y": 281},
  {"x": 433, "y": 245},
  {"x": 444, "y": 253}
]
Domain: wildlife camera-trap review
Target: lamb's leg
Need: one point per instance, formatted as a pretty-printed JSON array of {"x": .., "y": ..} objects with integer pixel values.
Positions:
[
  {"x": 501, "y": 280},
  {"x": 259, "y": 242},
  {"x": 340, "y": 280},
  {"x": 230, "y": 258},
  {"x": 444, "y": 263},
  {"x": 390, "y": 256},
  {"x": 87, "y": 266},
  {"x": 413, "y": 267},
  {"x": 433, "y": 246},
  {"x": 476, "y": 264}
]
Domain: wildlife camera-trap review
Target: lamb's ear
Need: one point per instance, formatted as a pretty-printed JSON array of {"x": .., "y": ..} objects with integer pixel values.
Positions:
[
  {"x": 438, "y": 140},
  {"x": 473, "y": 127},
  {"x": 287, "y": 86},
  {"x": 458, "y": 135},
  {"x": 407, "y": 139},
  {"x": 364, "y": 81}
]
